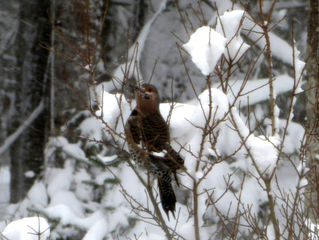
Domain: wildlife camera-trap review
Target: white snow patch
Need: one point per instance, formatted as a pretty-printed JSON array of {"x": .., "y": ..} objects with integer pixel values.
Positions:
[
  {"x": 59, "y": 179},
  {"x": 299, "y": 67},
  {"x": 229, "y": 25},
  {"x": 199, "y": 174},
  {"x": 91, "y": 127},
  {"x": 83, "y": 190},
  {"x": 264, "y": 152},
  {"x": 152, "y": 236},
  {"x": 279, "y": 47},
  {"x": 257, "y": 90},
  {"x": 28, "y": 229},
  {"x": 74, "y": 150},
  {"x": 107, "y": 159},
  {"x": 29, "y": 174},
  {"x": 206, "y": 47},
  {"x": 113, "y": 106},
  {"x": 98, "y": 231},
  {"x": 69, "y": 200},
  {"x": 62, "y": 212},
  {"x": 313, "y": 229},
  {"x": 4, "y": 184},
  {"x": 38, "y": 194},
  {"x": 179, "y": 121},
  {"x": 87, "y": 67},
  {"x": 4, "y": 174},
  {"x": 159, "y": 154}
]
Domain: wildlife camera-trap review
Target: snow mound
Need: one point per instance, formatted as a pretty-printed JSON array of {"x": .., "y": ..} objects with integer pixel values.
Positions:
[
  {"x": 229, "y": 25},
  {"x": 31, "y": 228},
  {"x": 206, "y": 47},
  {"x": 264, "y": 153}
]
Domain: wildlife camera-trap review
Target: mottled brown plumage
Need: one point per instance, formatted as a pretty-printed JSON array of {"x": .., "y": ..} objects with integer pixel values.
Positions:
[{"x": 148, "y": 139}]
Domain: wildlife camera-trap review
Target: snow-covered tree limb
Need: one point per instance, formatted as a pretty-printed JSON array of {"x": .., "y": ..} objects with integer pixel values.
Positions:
[{"x": 14, "y": 136}]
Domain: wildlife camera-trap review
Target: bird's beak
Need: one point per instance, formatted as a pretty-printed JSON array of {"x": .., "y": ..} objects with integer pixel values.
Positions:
[{"x": 137, "y": 88}]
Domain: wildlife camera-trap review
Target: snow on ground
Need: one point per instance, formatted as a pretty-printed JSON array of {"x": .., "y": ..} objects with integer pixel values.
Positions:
[{"x": 31, "y": 228}]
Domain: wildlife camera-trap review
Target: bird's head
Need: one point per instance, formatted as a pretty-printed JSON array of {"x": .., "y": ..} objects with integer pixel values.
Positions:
[{"x": 147, "y": 98}]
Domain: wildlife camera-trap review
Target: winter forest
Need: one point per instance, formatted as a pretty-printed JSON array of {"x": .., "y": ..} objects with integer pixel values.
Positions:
[{"x": 238, "y": 87}]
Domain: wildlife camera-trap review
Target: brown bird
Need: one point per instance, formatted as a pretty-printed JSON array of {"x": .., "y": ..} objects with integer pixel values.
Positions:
[{"x": 148, "y": 139}]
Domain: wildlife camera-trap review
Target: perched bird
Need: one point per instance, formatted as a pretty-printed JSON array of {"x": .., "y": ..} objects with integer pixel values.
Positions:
[{"x": 148, "y": 139}]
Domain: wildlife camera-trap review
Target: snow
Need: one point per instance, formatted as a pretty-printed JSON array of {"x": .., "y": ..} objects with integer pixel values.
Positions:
[
  {"x": 74, "y": 150},
  {"x": 264, "y": 152},
  {"x": 66, "y": 188},
  {"x": 179, "y": 121},
  {"x": 91, "y": 127},
  {"x": 4, "y": 184},
  {"x": 299, "y": 64},
  {"x": 97, "y": 232},
  {"x": 29, "y": 174},
  {"x": 159, "y": 154},
  {"x": 299, "y": 67},
  {"x": 294, "y": 136},
  {"x": 67, "y": 200},
  {"x": 257, "y": 90},
  {"x": 83, "y": 190},
  {"x": 206, "y": 47},
  {"x": 31, "y": 228},
  {"x": 107, "y": 159},
  {"x": 114, "y": 106},
  {"x": 229, "y": 25},
  {"x": 38, "y": 194},
  {"x": 59, "y": 179},
  {"x": 313, "y": 229},
  {"x": 280, "y": 48}
]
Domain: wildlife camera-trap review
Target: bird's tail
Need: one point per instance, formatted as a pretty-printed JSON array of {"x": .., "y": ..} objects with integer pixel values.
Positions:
[{"x": 167, "y": 195}]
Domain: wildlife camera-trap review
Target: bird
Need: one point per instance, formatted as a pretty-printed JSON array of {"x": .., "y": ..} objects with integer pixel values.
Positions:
[{"x": 148, "y": 138}]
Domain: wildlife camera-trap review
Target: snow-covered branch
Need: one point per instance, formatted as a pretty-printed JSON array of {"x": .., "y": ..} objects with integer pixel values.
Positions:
[{"x": 14, "y": 136}]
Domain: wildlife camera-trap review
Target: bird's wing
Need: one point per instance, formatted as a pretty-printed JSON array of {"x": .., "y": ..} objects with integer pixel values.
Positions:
[
  {"x": 155, "y": 132},
  {"x": 132, "y": 129},
  {"x": 176, "y": 161}
]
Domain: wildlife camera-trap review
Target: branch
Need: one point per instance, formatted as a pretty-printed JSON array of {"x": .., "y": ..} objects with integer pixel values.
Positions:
[{"x": 11, "y": 139}]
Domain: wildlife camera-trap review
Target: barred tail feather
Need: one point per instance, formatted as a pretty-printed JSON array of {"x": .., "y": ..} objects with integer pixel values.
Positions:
[{"x": 167, "y": 195}]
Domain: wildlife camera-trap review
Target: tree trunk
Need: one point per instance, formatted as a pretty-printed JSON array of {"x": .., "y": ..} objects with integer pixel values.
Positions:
[
  {"x": 30, "y": 73},
  {"x": 312, "y": 202}
]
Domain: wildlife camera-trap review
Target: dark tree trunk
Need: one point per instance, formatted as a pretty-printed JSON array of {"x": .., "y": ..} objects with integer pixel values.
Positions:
[
  {"x": 312, "y": 200},
  {"x": 27, "y": 152}
]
